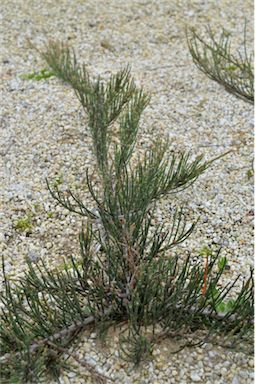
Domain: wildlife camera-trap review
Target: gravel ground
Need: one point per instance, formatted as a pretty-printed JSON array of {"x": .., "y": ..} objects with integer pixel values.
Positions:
[{"x": 43, "y": 134}]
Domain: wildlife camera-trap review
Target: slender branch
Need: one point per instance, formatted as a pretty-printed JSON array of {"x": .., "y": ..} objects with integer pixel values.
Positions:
[
  {"x": 79, "y": 326},
  {"x": 64, "y": 332},
  {"x": 76, "y": 327}
]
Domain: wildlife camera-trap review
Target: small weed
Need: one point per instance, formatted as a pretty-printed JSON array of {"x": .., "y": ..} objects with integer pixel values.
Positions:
[
  {"x": 37, "y": 208},
  {"x": 249, "y": 174},
  {"x": 107, "y": 45},
  {"x": 222, "y": 263},
  {"x": 58, "y": 181},
  {"x": 38, "y": 75},
  {"x": 205, "y": 251},
  {"x": 50, "y": 215},
  {"x": 24, "y": 224},
  {"x": 220, "y": 305},
  {"x": 231, "y": 68}
]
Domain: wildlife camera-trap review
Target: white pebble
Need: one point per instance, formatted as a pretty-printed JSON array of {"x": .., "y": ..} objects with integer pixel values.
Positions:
[{"x": 195, "y": 377}]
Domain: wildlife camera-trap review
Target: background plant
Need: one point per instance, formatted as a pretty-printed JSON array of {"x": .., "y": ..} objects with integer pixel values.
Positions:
[
  {"x": 126, "y": 269},
  {"x": 214, "y": 57},
  {"x": 38, "y": 75}
]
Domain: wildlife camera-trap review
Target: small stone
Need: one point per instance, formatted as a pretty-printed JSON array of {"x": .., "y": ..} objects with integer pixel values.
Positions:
[
  {"x": 71, "y": 375},
  {"x": 156, "y": 352},
  {"x": 14, "y": 84},
  {"x": 218, "y": 367},
  {"x": 2, "y": 237},
  {"x": 224, "y": 371},
  {"x": 66, "y": 380},
  {"x": 117, "y": 366},
  {"x": 235, "y": 380},
  {"x": 159, "y": 365},
  {"x": 91, "y": 361},
  {"x": 151, "y": 369},
  {"x": 251, "y": 363},
  {"x": 212, "y": 354},
  {"x": 86, "y": 347},
  {"x": 195, "y": 377},
  {"x": 32, "y": 255},
  {"x": 243, "y": 374}
]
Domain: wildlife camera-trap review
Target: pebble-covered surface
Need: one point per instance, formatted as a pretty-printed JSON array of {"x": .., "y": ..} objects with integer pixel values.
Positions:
[{"x": 43, "y": 134}]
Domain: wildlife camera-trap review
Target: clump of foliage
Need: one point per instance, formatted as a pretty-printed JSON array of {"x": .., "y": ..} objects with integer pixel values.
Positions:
[
  {"x": 24, "y": 224},
  {"x": 250, "y": 174},
  {"x": 39, "y": 75},
  {"x": 214, "y": 57},
  {"x": 127, "y": 269}
]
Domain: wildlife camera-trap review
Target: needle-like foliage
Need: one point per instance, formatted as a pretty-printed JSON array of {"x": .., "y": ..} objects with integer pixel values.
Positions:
[
  {"x": 126, "y": 269},
  {"x": 214, "y": 57},
  {"x": 103, "y": 103}
]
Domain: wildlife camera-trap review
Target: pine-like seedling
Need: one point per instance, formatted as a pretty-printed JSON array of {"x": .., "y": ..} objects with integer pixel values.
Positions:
[
  {"x": 214, "y": 57},
  {"x": 127, "y": 269}
]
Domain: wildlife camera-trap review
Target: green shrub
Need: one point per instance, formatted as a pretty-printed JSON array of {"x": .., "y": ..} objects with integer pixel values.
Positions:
[
  {"x": 214, "y": 57},
  {"x": 127, "y": 269}
]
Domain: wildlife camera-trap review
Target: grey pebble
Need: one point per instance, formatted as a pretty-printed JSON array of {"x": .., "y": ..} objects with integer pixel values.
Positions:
[
  {"x": 235, "y": 380},
  {"x": 195, "y": 377}
]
